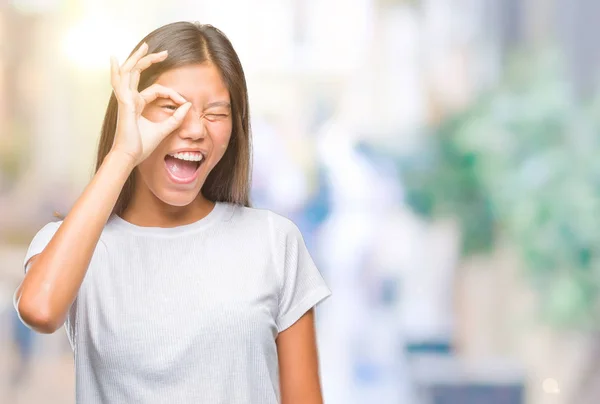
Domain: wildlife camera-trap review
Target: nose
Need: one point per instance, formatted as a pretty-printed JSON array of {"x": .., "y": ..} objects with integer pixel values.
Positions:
[{"x": 193, "y": 126}]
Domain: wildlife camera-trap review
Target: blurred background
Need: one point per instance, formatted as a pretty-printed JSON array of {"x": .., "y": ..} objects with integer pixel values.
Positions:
[{"x": 439, "y": 156}]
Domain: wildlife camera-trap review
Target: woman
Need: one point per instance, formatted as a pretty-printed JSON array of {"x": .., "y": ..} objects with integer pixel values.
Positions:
[{"x": 171, "y": 288}]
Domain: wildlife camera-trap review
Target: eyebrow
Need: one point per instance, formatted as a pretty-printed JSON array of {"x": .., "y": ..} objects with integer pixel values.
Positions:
[
  {"x": 225, "y": 104},
  {"x": 218, "y": 104}
]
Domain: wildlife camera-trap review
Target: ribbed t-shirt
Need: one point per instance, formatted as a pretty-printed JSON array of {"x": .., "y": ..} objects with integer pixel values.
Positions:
[{"x": 188, "y": 314}]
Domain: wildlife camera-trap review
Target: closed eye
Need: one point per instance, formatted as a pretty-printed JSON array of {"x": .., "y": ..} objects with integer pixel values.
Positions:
[
  {"x": 170, "y": 107},
  {"x": 215, "y": 117}
]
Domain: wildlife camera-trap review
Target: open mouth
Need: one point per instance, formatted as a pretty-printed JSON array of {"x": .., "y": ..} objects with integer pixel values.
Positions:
[{"x": 183, "y": 167}]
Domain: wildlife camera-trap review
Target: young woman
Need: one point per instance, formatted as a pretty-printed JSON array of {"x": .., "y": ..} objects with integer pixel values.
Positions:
[{"x": 171, "y": 288}]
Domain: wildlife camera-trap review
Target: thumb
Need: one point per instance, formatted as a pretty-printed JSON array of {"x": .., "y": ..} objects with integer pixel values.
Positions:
[{"x": 170, "y": 124}]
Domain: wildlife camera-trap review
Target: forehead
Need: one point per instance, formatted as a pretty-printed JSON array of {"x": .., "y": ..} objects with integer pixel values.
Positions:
[{"x": 196, "y": 83}]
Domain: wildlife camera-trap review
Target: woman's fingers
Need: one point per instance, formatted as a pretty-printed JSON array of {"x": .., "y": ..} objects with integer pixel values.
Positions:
[
  {"x": 142, "y": 65},
  {"x": 134, "y": 58},
  {"x": 115, "y": 77},
  {"x": 169, "y": 125},
  {"x": 156, "y": 90},
  {"x": 125, "y": 70},
  {"x": 127, "y": 76}
]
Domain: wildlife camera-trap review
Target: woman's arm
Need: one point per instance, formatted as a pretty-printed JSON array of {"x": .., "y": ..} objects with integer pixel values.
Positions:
[
  {"x": 298, "y": 363},
  {"x": 55, "y": 275}
]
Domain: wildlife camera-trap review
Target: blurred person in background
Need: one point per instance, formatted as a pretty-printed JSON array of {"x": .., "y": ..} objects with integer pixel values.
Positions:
[
  {"x": 24, "y": 339},
  {"x": 20, "y": 339},
  {"x": 169, "y": 284}
]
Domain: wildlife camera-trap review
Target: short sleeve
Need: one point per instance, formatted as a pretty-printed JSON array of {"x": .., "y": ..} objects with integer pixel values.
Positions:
[
  {"x": 302, "y": 285},
  {"x": 40, "y": 241}
]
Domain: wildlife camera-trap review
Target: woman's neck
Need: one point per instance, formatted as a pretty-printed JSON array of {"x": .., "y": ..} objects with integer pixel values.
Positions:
[{"x": 152, "y": 212}]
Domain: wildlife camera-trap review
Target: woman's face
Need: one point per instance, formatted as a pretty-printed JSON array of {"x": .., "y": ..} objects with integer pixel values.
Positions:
[{"x": 177, "y": 169}]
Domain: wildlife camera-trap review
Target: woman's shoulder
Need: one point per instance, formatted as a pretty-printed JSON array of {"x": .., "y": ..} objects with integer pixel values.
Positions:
[
  {"x": 46, "y": 232},
  {"x": 266, "y": 217}
]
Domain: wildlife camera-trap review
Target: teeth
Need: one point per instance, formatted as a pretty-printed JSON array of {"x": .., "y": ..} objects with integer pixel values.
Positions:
[{"x": 188, "y": 156}]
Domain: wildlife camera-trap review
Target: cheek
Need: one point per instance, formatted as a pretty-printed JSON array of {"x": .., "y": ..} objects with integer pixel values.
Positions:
[
  {"x": 224, "y": 145},
  {"x": 144, "y": 169},
  {"x": 220, "y": 137},
  {"x": 152, "y": 164}
]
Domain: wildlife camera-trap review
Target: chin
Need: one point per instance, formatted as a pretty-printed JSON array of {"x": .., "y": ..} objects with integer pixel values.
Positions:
[{"x": 179, "y": 198}]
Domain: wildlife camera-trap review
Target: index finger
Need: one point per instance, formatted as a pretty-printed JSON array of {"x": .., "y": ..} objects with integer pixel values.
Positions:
[{"x": 156, "y": 90}]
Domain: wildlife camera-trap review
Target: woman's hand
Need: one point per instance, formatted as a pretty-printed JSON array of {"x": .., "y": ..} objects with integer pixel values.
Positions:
[{"x": 135, "y": 135}]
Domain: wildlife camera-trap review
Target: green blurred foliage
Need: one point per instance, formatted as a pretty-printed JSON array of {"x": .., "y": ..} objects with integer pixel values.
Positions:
[{"x": 523, "y": 162}]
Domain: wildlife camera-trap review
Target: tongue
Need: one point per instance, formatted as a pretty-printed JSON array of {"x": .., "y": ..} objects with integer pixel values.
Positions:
[{"x": 181, "y": 168}]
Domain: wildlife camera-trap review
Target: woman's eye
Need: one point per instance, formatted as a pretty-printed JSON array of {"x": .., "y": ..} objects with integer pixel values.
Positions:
[
  {"x": 215, "y": 116},
  {"x": 170, "y": 107}
]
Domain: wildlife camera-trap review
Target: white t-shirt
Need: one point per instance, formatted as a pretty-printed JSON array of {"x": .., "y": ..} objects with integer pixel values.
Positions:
[{"x": 188, "y": 314}]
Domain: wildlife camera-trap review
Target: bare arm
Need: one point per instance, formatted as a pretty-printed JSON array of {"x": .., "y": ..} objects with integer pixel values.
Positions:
[
  {"x": 55, "y": 275},
  {"x": 298, "y": 363}
]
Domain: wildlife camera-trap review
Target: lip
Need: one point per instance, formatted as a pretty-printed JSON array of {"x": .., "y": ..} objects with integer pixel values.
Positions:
[
  {"x": 190, "y": 149},
  {"x": 182, "y": 181}
]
